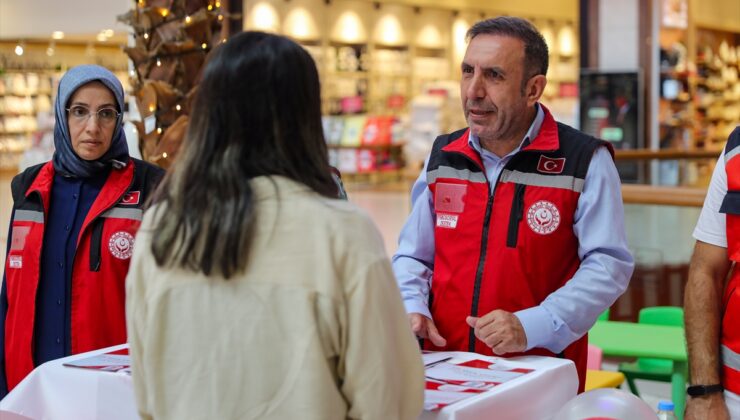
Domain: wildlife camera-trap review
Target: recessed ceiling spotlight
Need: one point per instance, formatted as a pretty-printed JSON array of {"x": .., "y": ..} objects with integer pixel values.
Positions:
[{"x": 57, "y": 35}]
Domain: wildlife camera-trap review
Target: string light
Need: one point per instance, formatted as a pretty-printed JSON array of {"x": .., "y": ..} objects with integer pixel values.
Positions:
[
  {"x": 210, "y": 7},
  {"x": 187, "y": 19},
  {"x": 159, "y": 63},
  {"x": 164, "y": 155},
  {"x": 152, "y": 108},
  {"x": 218, "y": 4},
  {"x": 146, "y": 35},
  {"x": 220, "y": 17},
  {"x": 19, "y": 50},
  {"x": 159, "y": 130},
  {"x": 178, "y": 107},
  {"x": 204, "y": 45},
  {"x": 164, "y": 12}
]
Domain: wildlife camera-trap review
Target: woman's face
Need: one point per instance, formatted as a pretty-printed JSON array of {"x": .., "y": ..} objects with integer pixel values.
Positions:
[{"x": 91, "y": 117}]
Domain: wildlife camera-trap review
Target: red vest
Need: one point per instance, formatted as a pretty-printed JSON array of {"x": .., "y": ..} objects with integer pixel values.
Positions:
[
  {"x": 731, "y": 303},
  {"x": 511, "y": 249},
  {"x": 101, "y": 262}
]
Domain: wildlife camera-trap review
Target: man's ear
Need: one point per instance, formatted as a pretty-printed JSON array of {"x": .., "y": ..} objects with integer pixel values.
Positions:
[{"x": 534, "y": 88}]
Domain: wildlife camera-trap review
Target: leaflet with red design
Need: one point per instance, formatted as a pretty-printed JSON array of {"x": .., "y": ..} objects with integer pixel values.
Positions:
[
  {"x": 448, "y": 382},
  {"x": 114, "y": 361}
]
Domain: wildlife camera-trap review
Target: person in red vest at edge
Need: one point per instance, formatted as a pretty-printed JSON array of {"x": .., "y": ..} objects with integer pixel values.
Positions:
[
  {"x": 72, "y": 232},
  {"x": 711, "y": 299},
  {"x": 515, "y": 242}
]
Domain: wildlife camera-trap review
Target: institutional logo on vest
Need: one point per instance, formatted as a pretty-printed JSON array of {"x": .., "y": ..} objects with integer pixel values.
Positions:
[
  {"x": 121, "y": 245},
  {"x": 543, "y": 217},
  {"x": 550, "y": 165}
]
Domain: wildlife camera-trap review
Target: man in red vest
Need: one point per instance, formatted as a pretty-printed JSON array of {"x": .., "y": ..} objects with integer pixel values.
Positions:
[
  {"x": 712, "y": 300},
  {"x": 515, "y": 243}
]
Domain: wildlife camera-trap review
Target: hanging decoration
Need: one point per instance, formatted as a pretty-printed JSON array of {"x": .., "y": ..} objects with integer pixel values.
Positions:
[{"x": 172, "y": 40}]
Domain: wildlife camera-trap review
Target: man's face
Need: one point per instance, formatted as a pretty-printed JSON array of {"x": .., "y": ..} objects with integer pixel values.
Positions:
[{"x": 491, "y": 87}]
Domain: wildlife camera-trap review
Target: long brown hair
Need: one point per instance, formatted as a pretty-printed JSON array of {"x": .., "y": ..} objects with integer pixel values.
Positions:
[{"x": 257, "y": 112}]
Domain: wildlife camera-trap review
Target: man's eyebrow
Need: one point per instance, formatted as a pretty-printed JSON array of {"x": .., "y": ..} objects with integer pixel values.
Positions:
[{"x": 495, "y": 69}]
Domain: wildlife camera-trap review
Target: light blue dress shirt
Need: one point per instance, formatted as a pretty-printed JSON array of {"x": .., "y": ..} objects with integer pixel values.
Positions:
[{"x": 567, "y": 313}]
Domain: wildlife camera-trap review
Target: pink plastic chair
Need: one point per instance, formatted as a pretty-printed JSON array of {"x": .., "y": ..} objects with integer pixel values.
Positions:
[{"x": 595, "y": 354}]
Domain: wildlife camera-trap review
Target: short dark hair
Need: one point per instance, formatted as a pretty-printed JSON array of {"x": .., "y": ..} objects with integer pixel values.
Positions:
[
  {"x": 257, "y": 113},
  {"x": 536, "y": 54}
]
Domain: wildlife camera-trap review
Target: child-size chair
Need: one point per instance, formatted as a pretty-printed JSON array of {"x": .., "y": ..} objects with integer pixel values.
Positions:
[
  {"x": 648, "y": 368},
  {"x": 597, "y": 378}
]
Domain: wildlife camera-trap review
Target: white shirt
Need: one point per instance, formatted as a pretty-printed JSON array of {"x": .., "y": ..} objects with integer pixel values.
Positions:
[{"x": 711, "y": 225}]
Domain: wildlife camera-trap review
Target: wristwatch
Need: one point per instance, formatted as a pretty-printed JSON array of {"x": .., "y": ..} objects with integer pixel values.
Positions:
[{"x": 701, "y": 390}]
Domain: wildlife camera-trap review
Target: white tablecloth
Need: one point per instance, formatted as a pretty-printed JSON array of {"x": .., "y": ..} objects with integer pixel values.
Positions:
[
  {"x": 537, "y": 395},
  {"x": 53, "y": 391}
]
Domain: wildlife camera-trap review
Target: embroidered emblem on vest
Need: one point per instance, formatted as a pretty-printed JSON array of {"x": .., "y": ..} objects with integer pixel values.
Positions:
[
  {"x": 543, "y": 217},
  {"x": 121, "y": 245},
  {"x": 447, "y": 221},
  {"x": 131, "y": 198},
  {"x": 15, "y": 261},
  {"x": 550, "y": 165}
]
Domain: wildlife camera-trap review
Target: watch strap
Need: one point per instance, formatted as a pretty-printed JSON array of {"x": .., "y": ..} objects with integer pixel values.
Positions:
[{"x": 700, "y": 390}]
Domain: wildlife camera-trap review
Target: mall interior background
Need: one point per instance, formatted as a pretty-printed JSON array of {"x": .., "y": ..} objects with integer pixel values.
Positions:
[{"x": 658, "y": 78}]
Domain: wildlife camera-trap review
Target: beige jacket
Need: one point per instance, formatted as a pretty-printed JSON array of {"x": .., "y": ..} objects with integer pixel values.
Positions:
[{"x": 314, "y": 329}]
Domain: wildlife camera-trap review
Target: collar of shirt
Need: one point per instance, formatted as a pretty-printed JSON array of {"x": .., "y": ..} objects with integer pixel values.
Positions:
[{"x": 534, "y": 130}]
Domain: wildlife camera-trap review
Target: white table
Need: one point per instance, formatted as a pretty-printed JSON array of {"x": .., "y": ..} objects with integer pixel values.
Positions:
[
  {"x": 537, "y": 395},
  {"x": 53, "y": 391}
]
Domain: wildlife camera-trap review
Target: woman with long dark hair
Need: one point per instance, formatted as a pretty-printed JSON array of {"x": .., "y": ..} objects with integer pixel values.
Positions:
[{"x": 254, "y": 292}]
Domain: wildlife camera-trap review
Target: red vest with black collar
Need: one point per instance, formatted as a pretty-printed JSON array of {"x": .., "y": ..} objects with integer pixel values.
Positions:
[
  {"x": 730, "y": 337},
  {"x": 100, "y": 265},
  {"x": 510, "y": 248}
]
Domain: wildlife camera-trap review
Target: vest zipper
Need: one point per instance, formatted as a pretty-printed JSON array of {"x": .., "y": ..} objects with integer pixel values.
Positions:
[
  {"x": 517, "y": 212},
  {"x": 479, "y": 271},
  {"x": 96, "y": 244}
]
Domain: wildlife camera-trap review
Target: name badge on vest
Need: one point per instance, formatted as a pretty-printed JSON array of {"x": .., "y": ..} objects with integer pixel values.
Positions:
[
  {"x": 18, "y": 237},
  {"x": 449, "y": 198}
]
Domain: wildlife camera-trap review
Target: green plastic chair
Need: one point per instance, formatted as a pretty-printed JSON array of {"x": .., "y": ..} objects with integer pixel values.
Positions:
[
  {"x": 604, "y": 316},
  {"x": 647, "y": 368}
]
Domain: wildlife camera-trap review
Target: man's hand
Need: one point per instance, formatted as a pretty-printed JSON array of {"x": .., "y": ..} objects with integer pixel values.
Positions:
[
  {"x": 710, "y": 406},
  {"x": 500, "y": 330},
  {"x": 424, "y": 328}
]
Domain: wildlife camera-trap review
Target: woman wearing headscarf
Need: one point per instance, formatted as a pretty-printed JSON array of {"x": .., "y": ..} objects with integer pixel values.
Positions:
[
  {"x": 72, "y": 232},
  {"x": 254, "y": 292}
]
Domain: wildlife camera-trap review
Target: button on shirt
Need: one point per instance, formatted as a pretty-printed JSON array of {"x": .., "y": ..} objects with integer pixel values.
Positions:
[
  {"x": 71, "y": 200},
  {"x": 567, "y": 313}
]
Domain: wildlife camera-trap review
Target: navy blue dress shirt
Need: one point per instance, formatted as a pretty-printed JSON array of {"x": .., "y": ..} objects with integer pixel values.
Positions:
[{"x": 71, "y": 200}]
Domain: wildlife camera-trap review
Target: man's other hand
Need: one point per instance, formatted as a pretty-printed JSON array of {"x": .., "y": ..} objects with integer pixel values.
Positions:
[
  {"x": 500, "y": 330},
  {"x": 424, "y": 328}
]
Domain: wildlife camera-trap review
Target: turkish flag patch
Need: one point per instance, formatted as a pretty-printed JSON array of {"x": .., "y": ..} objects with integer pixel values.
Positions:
[
  {"x": 131, "y": 198},
  {"x": 550, "y": 165}
]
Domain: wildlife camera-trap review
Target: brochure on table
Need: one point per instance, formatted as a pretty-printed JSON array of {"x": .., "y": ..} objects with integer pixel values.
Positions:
[
  {"x": 114, "y": 361},
  {"x": 450, "y": 379}
]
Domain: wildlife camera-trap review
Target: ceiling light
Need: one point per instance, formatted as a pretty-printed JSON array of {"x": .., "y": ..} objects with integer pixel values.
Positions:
[
  {"x": 108, "y": 32},
  {"x": 101, "y": 37},
  {"x": 57, "y": 35},
  {"x": 19, "y": 50}
]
